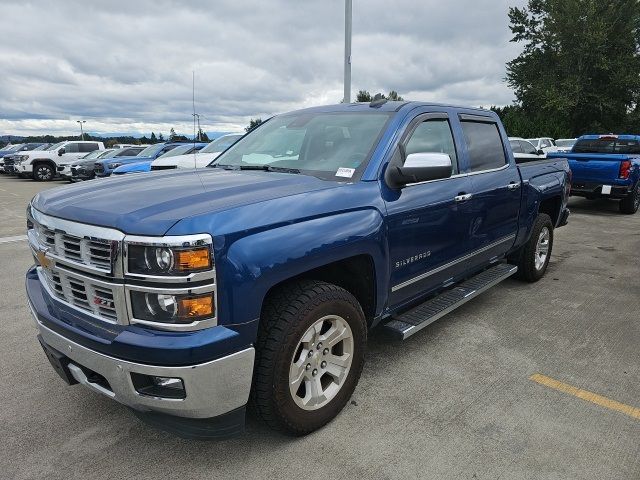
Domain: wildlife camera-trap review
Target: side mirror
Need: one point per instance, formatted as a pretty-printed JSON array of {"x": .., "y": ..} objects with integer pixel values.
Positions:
[
  {"x": 419, "y": 167},
  {"x": 61, "y": 152},
  {"x": 540, "y": 152}
]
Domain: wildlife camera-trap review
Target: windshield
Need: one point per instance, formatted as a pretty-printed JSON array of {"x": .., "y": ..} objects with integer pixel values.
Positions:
[
  {"x": 151, "y": 150},
  {"x": 181, "y": 150},
  {"x": 565, "y": 143},
  {"x": 606, "y": 145},
  {"x": 14, "y": 148},
  {"x": 327, "y": 145},
  {"x": 112, "y": 153},
  {"x": 56, "y": 146},
  {"x": 220, "y": 144},
  {"x": 94, "y": 154},
  {"x": 104, "y": 153},
  {"x": 41, "y": 147}
]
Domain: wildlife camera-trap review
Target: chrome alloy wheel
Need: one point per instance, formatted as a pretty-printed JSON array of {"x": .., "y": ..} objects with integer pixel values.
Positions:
[
  {"x": 321, "y": 362},
  {"x": 542, "y": 248}
]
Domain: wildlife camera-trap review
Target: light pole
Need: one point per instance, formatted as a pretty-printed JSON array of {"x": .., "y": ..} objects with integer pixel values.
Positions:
[
  {"x": 347, "y": 50},
  {"x": 81, "y": 132},
  {"x": 197, "y": 116}
]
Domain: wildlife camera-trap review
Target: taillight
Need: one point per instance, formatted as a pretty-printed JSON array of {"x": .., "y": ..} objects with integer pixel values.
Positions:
[{"x": 625, "y": 169}]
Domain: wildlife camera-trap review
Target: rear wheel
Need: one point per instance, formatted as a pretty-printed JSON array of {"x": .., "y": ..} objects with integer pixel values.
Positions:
[
  {"x": 534, "y": 257},
  {"x": 631, "y": 202},
  {"x": 42, "y": 172},
  {"x": 309, "y": 356}
]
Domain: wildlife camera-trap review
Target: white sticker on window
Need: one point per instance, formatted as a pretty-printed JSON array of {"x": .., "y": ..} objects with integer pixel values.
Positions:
[{"x": 345, "y": 172}]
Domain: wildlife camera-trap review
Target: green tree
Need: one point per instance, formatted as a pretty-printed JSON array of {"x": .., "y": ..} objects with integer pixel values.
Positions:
[
  {"x": 580, "y": 67},
  {"x": 160, "y": 137},
  {"x": 253, "y": 123},
  {"x": 365, "y": 96},
  {"x": 172, "y": 135},
  {"x": 202, "y": 136},
  {"x": 153, "y": 138}
]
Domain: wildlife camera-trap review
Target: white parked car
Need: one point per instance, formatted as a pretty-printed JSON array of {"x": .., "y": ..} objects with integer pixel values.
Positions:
[
  {"x": 525, "y": 151},
  {"x": 545, "y": 144},
  {"x": 198, "y": 159},
  {"x": 565, "y": 144},
  {"x": 43, "y": 165}
]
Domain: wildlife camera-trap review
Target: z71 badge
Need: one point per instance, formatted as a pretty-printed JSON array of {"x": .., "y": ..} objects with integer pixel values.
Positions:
[{"x": 415, "y": 258}]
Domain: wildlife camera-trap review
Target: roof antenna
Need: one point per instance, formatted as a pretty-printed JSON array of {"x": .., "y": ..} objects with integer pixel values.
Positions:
[
  {"x": 378, "y": 101},
  {"x": 193, "y": 100}
]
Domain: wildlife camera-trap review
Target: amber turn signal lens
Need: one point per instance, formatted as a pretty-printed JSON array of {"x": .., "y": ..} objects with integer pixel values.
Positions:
[
  {"x": 196, "y": 307},
  {"x": 188, "y": 260}
]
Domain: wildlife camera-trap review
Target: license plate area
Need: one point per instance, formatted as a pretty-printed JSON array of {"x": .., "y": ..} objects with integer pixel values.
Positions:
[{"x": 59, "y": 362}]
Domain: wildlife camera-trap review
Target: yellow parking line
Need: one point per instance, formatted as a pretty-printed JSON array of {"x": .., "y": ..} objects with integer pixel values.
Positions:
[{"x": 586, "y": 395}]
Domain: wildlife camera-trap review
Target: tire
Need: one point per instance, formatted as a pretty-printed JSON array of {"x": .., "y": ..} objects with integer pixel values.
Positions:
[
  {"x": 43, "y": 172},
  {"x": 531, "y": 267},
  {"x": 282, "y": 353},
  {"x": 629, "y": 204}
]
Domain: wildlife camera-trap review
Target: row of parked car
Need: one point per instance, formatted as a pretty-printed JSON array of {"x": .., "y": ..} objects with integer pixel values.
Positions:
[{"x": 76, "y": 160}]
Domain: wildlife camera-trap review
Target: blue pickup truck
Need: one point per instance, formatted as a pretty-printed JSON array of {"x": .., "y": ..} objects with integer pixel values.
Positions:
[
  {"x": 189, "y": 294},
  {"x": 606, "y": 166}
]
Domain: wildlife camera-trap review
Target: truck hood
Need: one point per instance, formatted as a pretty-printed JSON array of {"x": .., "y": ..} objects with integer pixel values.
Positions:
[{"x": 150, "y": 204}]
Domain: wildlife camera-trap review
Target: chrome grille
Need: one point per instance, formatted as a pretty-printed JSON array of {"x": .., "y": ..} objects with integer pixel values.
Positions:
[
  {"x": 88, "y": 251},
  {"x": 82, "y": 293}
]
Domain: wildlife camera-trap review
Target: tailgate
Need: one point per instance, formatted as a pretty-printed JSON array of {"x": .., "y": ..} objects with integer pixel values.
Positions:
[{"x": 595, "y": 168}]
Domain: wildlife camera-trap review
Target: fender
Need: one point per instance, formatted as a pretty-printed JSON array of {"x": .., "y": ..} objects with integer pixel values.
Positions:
[{"x": 255, "y": 263}]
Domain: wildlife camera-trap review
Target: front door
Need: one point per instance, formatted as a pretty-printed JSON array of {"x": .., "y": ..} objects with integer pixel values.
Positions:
[{"x": 428, "y": 223}]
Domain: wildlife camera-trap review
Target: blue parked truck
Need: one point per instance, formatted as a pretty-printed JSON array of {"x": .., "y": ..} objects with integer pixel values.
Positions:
[
  {"x": 606, "y": 166},
  {"x": 187, "y": 295}
]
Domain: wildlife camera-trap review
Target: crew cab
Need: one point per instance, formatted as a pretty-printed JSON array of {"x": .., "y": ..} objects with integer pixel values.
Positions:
[
  {"x": 185, "y": 293},
  {"x": 105, "y": 167},
  {"x": 524, "y": 150},
  {"x": 606, "y": 166},
  {"x": 42, "y": 165},
  {"x": 201, "y": 159}
]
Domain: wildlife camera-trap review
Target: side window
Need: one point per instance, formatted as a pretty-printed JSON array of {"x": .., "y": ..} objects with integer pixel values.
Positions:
[
  {"x": 544, "y": 143},
  {"x": 71, "y": 148},
  {"x": 88, "y": 147},
  {"x": 515, "y": 146},
  {"x": 433, "y": 136},
  {"x": 527, "y": 147},
  {"x": 484, "y": 145}
]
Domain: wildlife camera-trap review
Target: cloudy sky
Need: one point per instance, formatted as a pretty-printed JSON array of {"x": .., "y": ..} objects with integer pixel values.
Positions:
[{"x": 125, "y": 66}]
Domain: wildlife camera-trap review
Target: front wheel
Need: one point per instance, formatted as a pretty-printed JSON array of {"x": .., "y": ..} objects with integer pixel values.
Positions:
[
  {"x": 309, "y": 356},
  {"x": 42, "y": 172},
  {"x": 534, "y": 257},
  {"x": 631, "y": 202}
]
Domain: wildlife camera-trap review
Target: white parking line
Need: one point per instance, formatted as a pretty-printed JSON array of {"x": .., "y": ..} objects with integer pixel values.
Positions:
[{"x": 17, "y": 238}]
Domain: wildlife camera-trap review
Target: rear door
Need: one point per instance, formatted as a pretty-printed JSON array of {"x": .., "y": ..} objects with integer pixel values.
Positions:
[{"x": 495, "y": 188}]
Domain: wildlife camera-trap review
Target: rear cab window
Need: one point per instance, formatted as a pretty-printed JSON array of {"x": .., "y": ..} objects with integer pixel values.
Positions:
[
  {"x": 484, "y": 145},
  {"x": 607, "y": 145}
]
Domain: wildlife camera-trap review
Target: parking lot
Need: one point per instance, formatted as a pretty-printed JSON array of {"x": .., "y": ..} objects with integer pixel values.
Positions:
[{"x": 455, "y": 401}]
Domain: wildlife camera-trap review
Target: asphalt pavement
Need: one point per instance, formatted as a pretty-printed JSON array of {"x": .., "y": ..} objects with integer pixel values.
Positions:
[{"x": 527, "y": 381}]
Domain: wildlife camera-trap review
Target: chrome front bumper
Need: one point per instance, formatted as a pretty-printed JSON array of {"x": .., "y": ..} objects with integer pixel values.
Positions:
[{"x": 212, "y": 389}]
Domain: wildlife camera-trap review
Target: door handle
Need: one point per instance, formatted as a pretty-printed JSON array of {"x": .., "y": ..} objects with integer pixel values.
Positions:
[
  {"x": 463, "y": 197},
  {"x": 513, "y": 185}
]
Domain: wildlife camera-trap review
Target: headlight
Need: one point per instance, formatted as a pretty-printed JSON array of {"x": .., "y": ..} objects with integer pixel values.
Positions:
[
  {"x": 22, "y": 158},
  {"x": 168, "y": 260},
  {"x": 169, "y": 256},
  {"x": 114, "y": 165},
  {"x": 167, "y": 308}
]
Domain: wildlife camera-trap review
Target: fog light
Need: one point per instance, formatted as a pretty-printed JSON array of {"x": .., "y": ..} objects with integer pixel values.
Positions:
[{"x": 163, "y": 387}]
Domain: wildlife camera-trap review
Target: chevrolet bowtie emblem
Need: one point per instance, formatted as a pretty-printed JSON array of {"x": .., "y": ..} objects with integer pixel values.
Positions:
[{"x": 43, "y": 260}]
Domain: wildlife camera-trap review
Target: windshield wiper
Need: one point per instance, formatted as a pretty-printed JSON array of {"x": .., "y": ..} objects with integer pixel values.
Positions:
[{"x": 269, "y": 168}]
